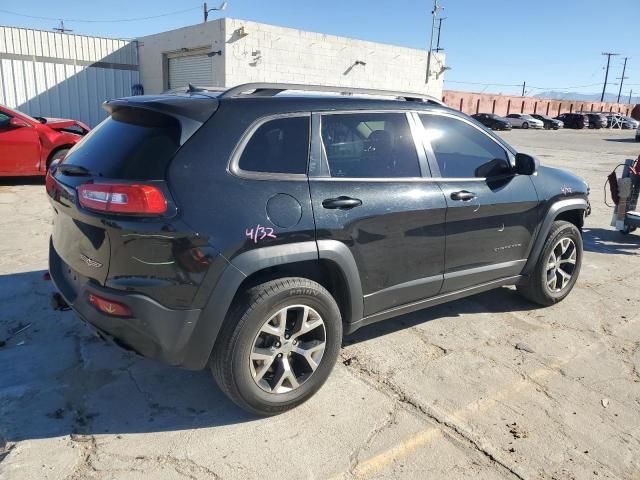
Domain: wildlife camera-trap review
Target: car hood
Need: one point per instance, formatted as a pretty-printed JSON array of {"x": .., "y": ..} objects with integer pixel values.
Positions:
[{"x": 65, "y": 124}]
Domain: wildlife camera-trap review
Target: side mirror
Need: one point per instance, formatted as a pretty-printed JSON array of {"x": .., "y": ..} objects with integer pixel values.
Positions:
[
  {"x": 17, "y": 123},
  {"x": 494, "y": 168},
  {"x": 526, "y": 164}
]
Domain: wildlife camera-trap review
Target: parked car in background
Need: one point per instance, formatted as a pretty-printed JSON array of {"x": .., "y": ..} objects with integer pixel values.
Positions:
[
  {"x": 179, "y": 231},
  {"x": 638, "y": 134},
  {"x": 615, "y": 120},
  {"x": 632, "y": 121},
  {"x": 548, "y": 122},
  {"x": 596, "y": 120},
  {"x": 492, "y": 121},
  {"x": 522, "y": 120},
  {"x": 28, "y": 145},
  {"x": 574, "y": 120}
]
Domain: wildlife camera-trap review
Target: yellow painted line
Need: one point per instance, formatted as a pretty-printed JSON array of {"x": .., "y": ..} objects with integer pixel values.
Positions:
[
  {"x": 409, "y": 445},
  {"x": 403, "y": 449}
]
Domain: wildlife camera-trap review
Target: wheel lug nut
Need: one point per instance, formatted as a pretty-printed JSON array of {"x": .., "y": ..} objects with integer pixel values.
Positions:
[
  {"x": 287, "y": 337},
  {"x": 277, "y": 344},
  {"x": 279, "y": 355}
]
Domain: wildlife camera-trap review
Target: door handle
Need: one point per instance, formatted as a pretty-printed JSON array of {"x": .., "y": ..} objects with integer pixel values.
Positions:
[
  {"x": 342, "y": 203},
  {"x": 463, "y": 195}
]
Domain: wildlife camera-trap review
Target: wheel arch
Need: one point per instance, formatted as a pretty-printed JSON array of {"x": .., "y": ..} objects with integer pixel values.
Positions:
[
  {"x": 571, "y": 210},
  {"x": 328, "y": 262},
  {"x": 54, "y": 151}
]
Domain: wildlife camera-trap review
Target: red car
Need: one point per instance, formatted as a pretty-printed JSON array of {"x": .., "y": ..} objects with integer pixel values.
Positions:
[{"x": 28, "y": 145}]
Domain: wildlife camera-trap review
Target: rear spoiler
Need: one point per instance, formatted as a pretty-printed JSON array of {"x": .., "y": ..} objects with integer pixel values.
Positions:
[{"x": 191, "y": 112}]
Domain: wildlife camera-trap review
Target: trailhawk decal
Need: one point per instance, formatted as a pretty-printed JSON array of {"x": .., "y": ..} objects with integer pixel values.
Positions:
[{"x": 507, "y": 247}]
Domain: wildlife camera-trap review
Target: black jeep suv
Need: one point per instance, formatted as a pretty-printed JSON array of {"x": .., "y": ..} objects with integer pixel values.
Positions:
[{"x": 249, "y": 230}]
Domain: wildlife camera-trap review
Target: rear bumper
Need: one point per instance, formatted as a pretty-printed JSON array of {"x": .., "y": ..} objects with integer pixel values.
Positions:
[{"x": 153, "y": 330}]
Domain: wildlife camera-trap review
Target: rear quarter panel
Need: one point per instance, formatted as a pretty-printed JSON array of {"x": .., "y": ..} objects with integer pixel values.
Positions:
[{"x": 226, "y": 208}]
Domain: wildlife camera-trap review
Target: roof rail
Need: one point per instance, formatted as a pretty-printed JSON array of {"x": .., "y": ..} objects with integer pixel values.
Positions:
[{"x": 261, "y": 89}]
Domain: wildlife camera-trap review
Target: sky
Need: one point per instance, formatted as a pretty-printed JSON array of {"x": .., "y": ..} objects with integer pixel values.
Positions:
[{"x": 491, "y": 45}]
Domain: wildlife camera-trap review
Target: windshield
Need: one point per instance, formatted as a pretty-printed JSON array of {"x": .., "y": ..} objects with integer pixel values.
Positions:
[{"x": 17, "y": 112}]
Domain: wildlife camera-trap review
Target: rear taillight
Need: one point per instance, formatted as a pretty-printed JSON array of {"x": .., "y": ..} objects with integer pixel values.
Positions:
[
  {"x": 109, "y": 306},
  {"x": 122, "y": 198}
]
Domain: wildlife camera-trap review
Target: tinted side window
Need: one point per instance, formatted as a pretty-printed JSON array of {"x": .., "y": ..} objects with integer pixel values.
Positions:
[
  {"x": 459, "y": 148},
  {"x": 369, "y": 145},
  {"x": 278, "y": 146}
]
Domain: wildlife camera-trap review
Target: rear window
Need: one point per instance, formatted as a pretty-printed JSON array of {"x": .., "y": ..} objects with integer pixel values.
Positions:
[{"x": 132, "y": 144}]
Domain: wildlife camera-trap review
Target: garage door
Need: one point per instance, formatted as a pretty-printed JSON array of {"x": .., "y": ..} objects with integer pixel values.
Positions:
[{"x": 195, "y": 69}]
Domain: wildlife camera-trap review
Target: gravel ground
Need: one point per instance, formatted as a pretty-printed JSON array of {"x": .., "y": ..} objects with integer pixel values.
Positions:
[{"x": 438, "y": 393}]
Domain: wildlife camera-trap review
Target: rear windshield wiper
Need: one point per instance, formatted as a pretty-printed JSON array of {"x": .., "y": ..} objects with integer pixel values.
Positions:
[{"x": 73, "y": 170}]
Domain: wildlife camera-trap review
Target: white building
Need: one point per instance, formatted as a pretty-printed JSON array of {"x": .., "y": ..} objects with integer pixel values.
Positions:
[
  {"x": 54, "y": 74},
  {"x": 227, "y": 52}
]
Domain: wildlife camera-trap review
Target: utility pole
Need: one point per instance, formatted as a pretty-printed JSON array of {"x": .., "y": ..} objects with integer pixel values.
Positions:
[
  {"x": 524, "y": 84},
  {"x": 438, "y": 49},
  {"x": 622, "y": 78},
  {"x": 630, "y": 92},
  {"x": 606, "y": 74},
  {"x": 434, "y": 14},
  {"x": 61, "y": 28}
]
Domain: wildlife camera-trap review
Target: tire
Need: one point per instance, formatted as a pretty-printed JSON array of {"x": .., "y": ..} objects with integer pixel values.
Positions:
[
  {"x": 627, "y": 230},
  {"x": 57, "y": 155},
  {"x": 541, "y": 288},
  {"x": 525, "y": 125},
  {"x": 250, "y": 382}
]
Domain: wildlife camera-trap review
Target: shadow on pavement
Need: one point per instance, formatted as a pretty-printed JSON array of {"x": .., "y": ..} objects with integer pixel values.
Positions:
[
  {"x": 499, "y": 300},
  {"x": 621, "y": 140},
  {"x": 14, "y": 181},
  {"x": 58, "y": 378},
  {"x": 602, "y": 240}
]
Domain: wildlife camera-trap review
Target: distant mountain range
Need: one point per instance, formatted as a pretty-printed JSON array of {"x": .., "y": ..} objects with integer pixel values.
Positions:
[{"x": 586, "y": 97}]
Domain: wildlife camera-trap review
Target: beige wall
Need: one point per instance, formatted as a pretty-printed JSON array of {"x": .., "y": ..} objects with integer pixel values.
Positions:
[
  {"x": 255, "y": 52},
  {"x": 154, "y": 48},
  {"x": 268, "y": 53}
]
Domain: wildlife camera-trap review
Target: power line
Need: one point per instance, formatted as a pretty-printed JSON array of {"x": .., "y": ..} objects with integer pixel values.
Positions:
[
  {"x": 565, "y": 88},
  {"x": 606, "y": 74},
  {"x": 61, "y": 28},
  {"x": 529, "y": 87},
  {"x": 79, "y": 20},
  {"x": 485, "y": 84}
]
